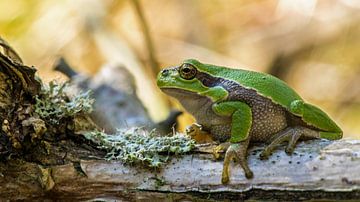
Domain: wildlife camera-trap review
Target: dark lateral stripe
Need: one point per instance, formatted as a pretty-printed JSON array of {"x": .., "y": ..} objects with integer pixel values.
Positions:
[
  {"x": 208, "y": 80},
  {"x": 212, "y": 81},
  {"x": 236, "y": 91}
]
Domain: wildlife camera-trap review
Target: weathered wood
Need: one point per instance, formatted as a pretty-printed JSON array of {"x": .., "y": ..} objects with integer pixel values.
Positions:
[{"x": 317, "y": 169}]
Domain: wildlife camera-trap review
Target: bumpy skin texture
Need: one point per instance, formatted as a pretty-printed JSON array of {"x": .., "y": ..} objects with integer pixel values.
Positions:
[{"x": 240, "y": 106}]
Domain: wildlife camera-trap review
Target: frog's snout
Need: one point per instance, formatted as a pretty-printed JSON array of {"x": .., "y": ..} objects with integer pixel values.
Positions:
[
  {"x": 167, "y": 77},
  {"x": 165, "y": 72},
  {"x": 163, "y": 77}
]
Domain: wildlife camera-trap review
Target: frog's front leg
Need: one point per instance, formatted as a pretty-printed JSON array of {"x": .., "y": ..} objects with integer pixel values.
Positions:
[{"x": 241, "y": 120}]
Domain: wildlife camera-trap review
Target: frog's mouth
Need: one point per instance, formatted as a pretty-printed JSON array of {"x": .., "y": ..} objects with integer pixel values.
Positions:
[
  {"x": 178, "y": 93},
  {"x": 184, "y": 96},
  {"x": 191, "y": 101}
]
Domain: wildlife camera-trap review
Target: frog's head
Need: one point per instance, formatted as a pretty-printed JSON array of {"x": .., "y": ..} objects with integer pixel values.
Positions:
[{"x": 182, "y": 80}]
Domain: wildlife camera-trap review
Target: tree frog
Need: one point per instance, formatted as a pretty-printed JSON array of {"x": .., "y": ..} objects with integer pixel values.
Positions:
[{"x": 238, "y": 106}]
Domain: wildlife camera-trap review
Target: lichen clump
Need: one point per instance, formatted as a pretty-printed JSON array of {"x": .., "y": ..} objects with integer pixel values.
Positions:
[
  {"x": 137, "y": 146},
  {"x": 54, "y": 104}
]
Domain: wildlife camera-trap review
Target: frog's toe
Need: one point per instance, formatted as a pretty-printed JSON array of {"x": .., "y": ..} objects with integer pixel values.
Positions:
[
  {"x": 285, "y": 135},
  {"x": 289, "y": 150},
  {"x": 249, "y": 174},
  {"x": 292, "y": 142},
  {"x": 264, "y": 154},
  {"x": 216, "y": 154},
  {"x": 229, "y": 156},
  {"x": 291, "y": 135},
  {"x": 225, "y": 177},
  {"x": 220, "y": 148}
]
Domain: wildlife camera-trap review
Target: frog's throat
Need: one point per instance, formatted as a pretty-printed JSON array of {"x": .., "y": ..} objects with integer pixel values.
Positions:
[
  {"x": 181, "y": 94},
  {"x": 191, "y": 101}
]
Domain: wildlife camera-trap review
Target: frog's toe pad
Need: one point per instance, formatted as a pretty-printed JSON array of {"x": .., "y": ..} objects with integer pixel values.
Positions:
[
  {"x": 225, "y": 178},
  {"x": 249, "y": 174},
  {"x": 289, "y": 150},
  {"x": 264, "y": 155}
]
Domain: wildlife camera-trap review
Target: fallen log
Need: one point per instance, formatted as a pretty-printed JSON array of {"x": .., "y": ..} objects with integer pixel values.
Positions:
[{"x": 318, "y": 169}]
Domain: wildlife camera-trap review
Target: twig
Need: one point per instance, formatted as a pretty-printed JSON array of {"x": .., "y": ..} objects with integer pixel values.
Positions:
[
  {"x": 62, "y": 66},
  {"x": 149, "y": 45},
  {"x": 9, "y": 51}
]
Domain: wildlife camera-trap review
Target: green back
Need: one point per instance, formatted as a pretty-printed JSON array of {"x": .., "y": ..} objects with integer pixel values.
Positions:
[{"x": 265, "y": 84}]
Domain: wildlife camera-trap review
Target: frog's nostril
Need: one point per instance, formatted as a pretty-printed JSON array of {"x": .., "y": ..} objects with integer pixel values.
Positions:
[{"x": 165, "y": 72}]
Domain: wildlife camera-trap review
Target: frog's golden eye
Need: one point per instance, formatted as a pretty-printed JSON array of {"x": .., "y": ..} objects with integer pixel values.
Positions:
[{"x": 187, "y": 71}]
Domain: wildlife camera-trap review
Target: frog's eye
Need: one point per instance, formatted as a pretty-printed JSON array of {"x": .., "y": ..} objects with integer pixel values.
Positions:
[{"x": 187, "y": 71}]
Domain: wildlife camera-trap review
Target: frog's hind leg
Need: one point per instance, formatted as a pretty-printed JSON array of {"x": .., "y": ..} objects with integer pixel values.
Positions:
[
  {"x": 312, "y": 116},
  {"x": 290, "y": 135},
  {"x": 315, "y": 117}
]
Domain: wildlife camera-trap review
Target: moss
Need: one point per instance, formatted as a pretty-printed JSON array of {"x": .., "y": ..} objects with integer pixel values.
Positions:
[
  {"x": 49, "y": 116},
  {"x": 137, "y": 146},
  {"x": 53, "y": 104}
]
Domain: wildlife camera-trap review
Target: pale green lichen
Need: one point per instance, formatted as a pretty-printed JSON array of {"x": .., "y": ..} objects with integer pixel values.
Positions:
[
  {"x": 137, "y": 146},
  {"x": 53, "y": 104}
]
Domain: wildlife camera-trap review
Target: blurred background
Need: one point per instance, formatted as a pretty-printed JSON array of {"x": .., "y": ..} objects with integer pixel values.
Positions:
[{"x": 313, "y": 45}]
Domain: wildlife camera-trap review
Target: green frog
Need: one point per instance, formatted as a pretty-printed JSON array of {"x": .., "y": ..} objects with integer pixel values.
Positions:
[{"x": 238, "y": 106}]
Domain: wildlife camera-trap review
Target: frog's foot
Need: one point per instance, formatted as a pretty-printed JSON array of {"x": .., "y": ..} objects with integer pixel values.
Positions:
[
  {"x": 236, "y": 151},
  {"x": 291, "y": 135},
  {"x": 220, "y": 148}
]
